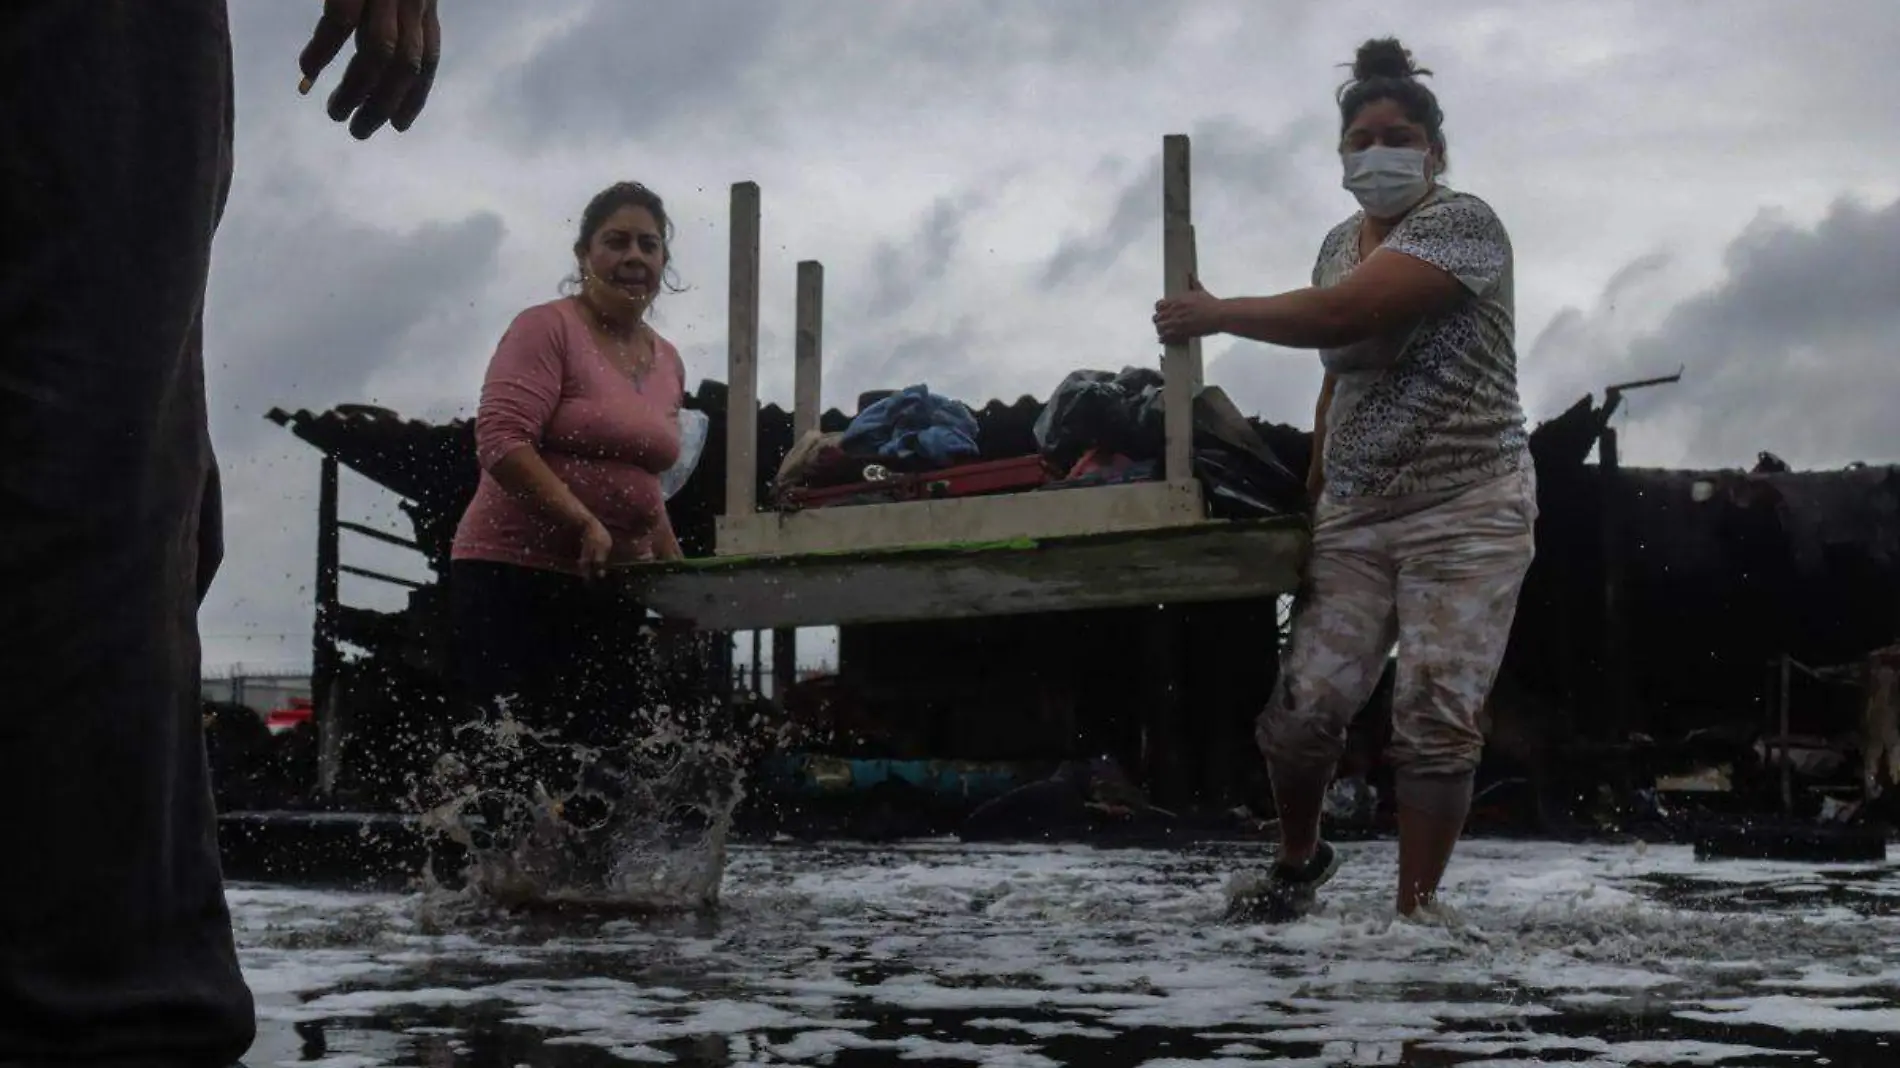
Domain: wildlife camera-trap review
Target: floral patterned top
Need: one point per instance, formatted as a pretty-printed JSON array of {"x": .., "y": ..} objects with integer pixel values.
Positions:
[{"x": 1435, "y": 406}]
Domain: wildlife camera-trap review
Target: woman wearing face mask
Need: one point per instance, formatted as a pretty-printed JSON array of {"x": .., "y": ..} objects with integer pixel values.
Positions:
[
  {"x": 579, "y": 417},
  {"x": 1424, "y": 492}
]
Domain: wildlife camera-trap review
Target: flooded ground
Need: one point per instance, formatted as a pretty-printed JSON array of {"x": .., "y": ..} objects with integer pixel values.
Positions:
[{"x": 938, "y": 953}]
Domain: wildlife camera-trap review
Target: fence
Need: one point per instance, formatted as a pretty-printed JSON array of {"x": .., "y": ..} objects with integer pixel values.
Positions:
[{"x": 259, "y": 691}]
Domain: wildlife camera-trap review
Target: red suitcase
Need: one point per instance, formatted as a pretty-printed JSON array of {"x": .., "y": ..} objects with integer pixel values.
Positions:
[{"x": 969, "y": 480}]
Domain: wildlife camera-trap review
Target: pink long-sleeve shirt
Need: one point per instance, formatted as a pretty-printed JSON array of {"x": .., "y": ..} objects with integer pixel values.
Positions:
[{"x": 549, "y": 386}]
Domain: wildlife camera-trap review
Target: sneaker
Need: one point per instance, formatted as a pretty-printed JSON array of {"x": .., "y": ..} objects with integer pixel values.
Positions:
[{"x": 1288, "y": 892}]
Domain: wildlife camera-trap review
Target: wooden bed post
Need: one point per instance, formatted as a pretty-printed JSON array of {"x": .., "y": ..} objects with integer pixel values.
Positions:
[
  {"x": 742, "y": 354},
  {"x": 1181, "y": 364},
  {"x": 807, "y": 382},
  {"x": 808, "y": 372},
  {"x": 1166, "y": 768}
]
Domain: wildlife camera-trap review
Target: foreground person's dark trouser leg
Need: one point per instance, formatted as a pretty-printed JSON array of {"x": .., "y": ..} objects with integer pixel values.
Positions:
[{"x": 115, "y": 126}]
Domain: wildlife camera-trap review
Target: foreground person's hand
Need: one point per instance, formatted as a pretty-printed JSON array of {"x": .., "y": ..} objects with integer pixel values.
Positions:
[{"x": 398, "y": 44}]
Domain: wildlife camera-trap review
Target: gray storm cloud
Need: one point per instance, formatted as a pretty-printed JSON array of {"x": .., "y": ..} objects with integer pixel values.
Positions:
[
  {"x": 1793, "y": 351},
  {"x": 385, "y": 271}
]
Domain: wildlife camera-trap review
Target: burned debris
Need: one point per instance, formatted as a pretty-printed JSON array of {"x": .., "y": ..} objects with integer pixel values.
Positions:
[
  {"x": 1102, "y": 579},
  {"x": 1759, "y": 617}
]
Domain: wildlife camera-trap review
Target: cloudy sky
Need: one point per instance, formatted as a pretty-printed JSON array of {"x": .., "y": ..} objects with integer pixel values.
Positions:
[{"x": 1687, "y": 183}]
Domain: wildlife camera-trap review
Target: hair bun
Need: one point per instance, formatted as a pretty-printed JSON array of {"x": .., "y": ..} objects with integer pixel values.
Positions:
[{"x": 1384, "y": 57}]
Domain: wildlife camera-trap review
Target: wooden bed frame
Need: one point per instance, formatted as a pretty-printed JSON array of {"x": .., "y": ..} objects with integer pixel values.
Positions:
[{"x": 1070, "y": 549}]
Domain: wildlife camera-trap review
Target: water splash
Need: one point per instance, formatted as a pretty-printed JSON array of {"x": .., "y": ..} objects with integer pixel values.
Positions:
[{"x": 546, "y": 822}]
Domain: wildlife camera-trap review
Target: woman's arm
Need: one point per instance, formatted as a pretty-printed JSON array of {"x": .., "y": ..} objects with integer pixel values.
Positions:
[
  {"x": 529, "y": 479},
  {"x": 1437, "y": 257},
  {"x": 519, "y": 395},
  {"x": 1316, "y": 467},
  {"x": 1388, "y": 291}
]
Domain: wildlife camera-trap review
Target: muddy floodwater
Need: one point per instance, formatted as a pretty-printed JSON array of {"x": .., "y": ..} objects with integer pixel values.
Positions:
[{"x": 936, "y": 953}]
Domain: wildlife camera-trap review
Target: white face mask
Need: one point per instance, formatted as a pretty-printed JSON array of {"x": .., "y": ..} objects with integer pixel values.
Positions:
[{"x": 1387, "y": 180}]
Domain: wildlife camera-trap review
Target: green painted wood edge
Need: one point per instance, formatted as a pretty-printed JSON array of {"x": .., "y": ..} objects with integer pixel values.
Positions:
[{"x": 946, "y": 550}]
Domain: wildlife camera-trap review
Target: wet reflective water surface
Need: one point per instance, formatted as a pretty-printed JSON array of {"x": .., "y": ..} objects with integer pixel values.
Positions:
[{"x": 941, "y": 953}]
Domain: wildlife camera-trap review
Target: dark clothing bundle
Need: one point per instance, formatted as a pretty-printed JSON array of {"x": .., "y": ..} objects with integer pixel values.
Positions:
[
  {"x": 1104, "y": 427},
  {"x": 1095, "y": 411}
]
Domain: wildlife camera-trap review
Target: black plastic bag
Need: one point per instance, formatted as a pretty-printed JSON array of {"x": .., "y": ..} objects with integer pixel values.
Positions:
[
  {"x": 1118, "y": 413},
  {"x": 1242, "y": 476},
  {"x": 1124, "y": 414}
]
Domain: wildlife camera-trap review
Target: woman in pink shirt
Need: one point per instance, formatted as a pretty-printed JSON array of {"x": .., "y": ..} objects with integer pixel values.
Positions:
[{"x": 579, "y": 417}]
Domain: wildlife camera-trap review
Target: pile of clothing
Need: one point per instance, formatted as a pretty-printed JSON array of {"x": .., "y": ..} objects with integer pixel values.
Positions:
[
  {"x": 914, "y": 426},
  {"x": 1098, "y": 428},
  {"x": 903, "y": 434},
  {"x": 1101, "y": 427}
]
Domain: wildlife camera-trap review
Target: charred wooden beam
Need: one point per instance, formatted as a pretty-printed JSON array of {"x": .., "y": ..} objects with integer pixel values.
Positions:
[
  {"x": 1784, "y": 684},
  {"x": 1613, "y": 395},
  {"x": 1616, "y": 654},
  {"x": 1617, "y": 669},
  {"x": 324, "y": 654},
  {"x": 379, "y": 535},
  {"x": 364, "y": 572}
]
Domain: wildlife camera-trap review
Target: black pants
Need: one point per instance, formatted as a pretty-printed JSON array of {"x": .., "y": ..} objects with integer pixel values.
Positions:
[
  {"x": 564, "y": 657},
  {"x": 115, "y": 158}
]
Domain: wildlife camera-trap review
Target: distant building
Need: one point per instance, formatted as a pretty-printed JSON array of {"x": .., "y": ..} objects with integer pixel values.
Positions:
[{"x": 261, "y": 693}]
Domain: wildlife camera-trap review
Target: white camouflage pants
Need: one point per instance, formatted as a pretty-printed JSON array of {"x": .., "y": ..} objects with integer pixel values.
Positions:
[{"x": 1439, "y": 574}]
